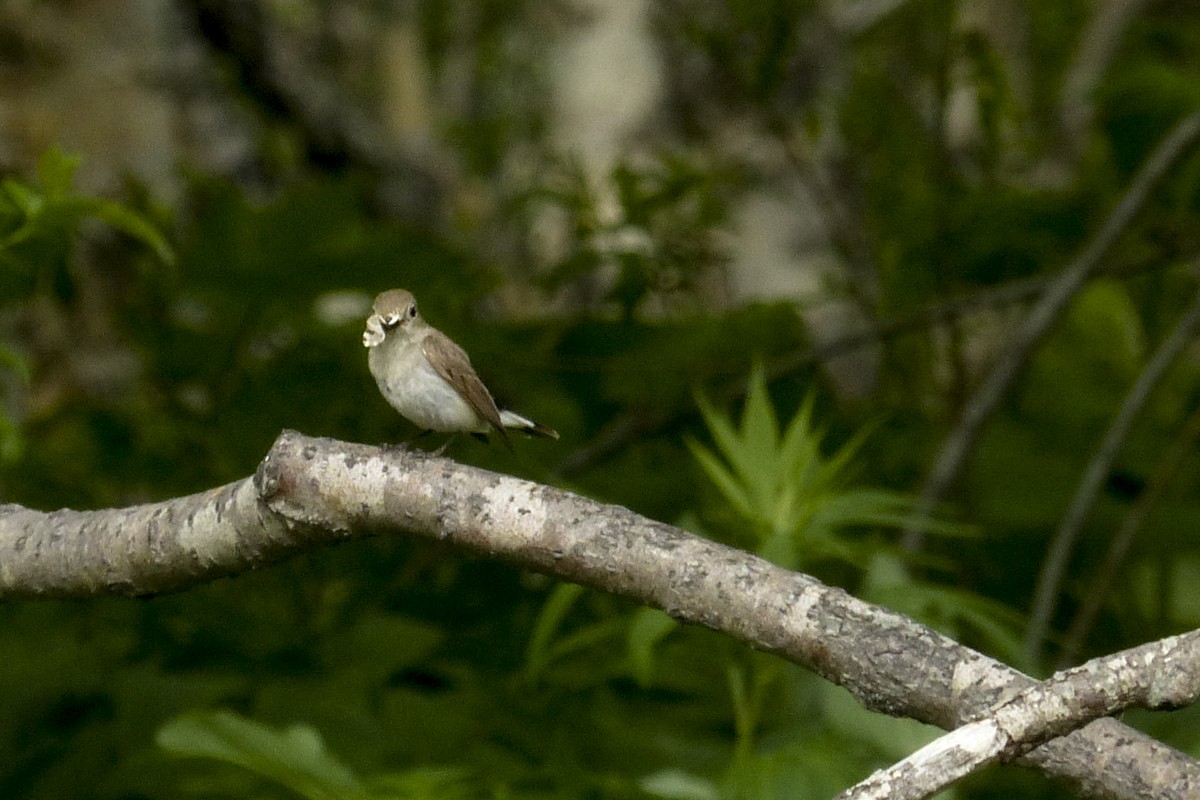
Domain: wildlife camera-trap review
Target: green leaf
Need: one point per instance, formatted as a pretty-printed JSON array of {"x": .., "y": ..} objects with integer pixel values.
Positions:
[
  {"x": 428, "y": 783},
  {"x": 797, "y": 500},
  {"x": 648, "y": 627},
  {"x": 53, "y": 209},
  {"x": 760, "y": 430},
  {"x": 673, "y": 784},
  {"x": 14, "y": 363},
  {"x": 841, "y": 463},
  {"x": 12, "y": 445},
  {"x": 294, "y": 757},
  {"x": 538, "y": 652},
  {"x": 23, "y": 198},
  {"x": 581, "y": 640},
  {"x": 28, "y": 205},
  {"x": 865, "y": 507},
  {"x": 1107, "y": 318},
  {"x": 726, "y": 482},
  {"x": 739, "y": 697},
  {"x": 56, "y": 171},
  {"x": 801, "y": 447},
  {"x": 724, "y": 436},
  {"x": 135, "y": 225}
]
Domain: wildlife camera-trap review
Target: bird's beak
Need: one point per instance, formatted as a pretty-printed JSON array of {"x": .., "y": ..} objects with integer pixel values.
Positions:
[{"x": 374, "y": 334}]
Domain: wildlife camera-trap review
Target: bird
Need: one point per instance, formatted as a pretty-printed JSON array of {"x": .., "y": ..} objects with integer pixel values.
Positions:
[{"x": 428, "y": 378}]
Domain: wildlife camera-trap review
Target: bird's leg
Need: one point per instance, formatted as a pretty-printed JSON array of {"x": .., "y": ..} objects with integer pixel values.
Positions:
[{"x": 445, "y": 444}]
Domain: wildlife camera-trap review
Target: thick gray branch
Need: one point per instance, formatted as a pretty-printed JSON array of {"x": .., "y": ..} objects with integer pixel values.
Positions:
[
  {"x": 309, "y": 490},
  {"x": 1160, "y": 675},
  {"x": 140, "y": 550}
]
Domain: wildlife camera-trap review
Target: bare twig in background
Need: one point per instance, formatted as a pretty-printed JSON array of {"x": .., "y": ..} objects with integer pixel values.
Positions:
[
  {"x": 844, "y": 225},
  {"x": 956, "y": 447},
  {"x": 1161, "y": 675},
  {"x": 630, "y": 425},
  {"x": 858, "y": 15},
  {"x": 308, "y": 491},
  {"x": 1054, "y": 566},
  {"x": 1097, "y": 592},
  {"x": 1098, "y": 44}
]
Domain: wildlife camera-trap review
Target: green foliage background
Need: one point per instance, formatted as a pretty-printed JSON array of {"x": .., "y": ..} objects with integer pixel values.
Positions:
[{"x": 151, "y": 351}]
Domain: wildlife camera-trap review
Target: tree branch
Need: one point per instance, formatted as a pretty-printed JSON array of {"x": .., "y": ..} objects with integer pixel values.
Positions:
[
  {"x": 956, "y": 447},
  {"x": 631, "y": 424},
  {"x": 1160, "y": 675},
  {"x": 312, "y": 490},
  {"x": 1096, "y": 594},
  {"x": 1054, "y": 566},
  {"x": 1098, "y": 44}
]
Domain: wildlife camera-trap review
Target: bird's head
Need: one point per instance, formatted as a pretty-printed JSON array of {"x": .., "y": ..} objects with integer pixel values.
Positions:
[{"x": 393, "y": 310}]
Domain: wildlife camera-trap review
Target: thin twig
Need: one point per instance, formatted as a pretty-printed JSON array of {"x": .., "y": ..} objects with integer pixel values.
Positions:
[
  {"x": 1049, "y": 583},
  {"x": 630, "y": 425},
  {"x": 1097, "y": 592},
  {"x": 1159, "y": 675},
  {"x": 846, "y": 229},
  {"x": 1098, "y": 43},
  {"x": 957, "y": 445}
]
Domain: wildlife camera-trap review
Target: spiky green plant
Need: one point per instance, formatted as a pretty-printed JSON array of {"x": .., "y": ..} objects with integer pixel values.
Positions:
[{"x": 801, "y": 504}]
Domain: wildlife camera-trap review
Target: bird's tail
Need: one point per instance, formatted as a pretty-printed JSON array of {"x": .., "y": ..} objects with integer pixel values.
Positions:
[{"x": 513, "y": 420}]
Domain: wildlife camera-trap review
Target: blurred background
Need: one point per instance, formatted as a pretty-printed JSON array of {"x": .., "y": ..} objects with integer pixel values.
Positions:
[{"x": 751, "y": 259}]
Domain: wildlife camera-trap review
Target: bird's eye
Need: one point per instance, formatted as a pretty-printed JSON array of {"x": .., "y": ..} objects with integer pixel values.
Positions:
[{"x": 412, "y": 311}]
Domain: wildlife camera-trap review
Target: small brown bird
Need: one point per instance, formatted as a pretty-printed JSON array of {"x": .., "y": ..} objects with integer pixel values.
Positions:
[{"x": 428, "y": 378}]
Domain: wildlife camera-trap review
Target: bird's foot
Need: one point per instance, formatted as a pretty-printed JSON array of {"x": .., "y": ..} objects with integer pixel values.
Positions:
[{"x": 442, "y": 449}]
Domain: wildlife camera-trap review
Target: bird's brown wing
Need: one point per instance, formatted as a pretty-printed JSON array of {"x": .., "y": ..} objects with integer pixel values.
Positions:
[{"x": 452, "y": 363}]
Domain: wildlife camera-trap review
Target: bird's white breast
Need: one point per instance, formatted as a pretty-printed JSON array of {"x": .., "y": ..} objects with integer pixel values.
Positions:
[{"x": 416, "y": 390}]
